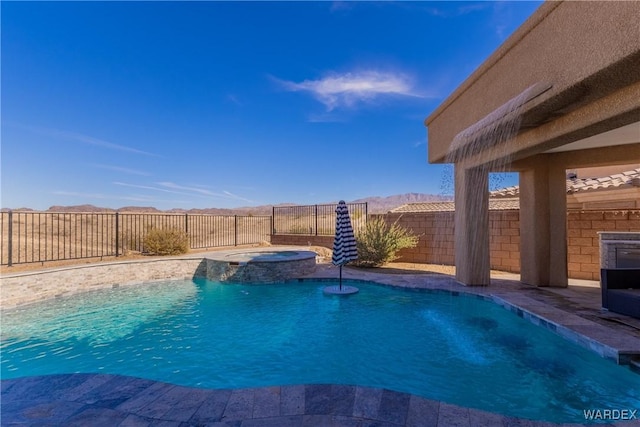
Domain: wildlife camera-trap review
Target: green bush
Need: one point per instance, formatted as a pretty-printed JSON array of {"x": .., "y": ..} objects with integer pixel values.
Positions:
[
  {"x": 379, "y": 242},
  {"x": 159, "y": 241}
]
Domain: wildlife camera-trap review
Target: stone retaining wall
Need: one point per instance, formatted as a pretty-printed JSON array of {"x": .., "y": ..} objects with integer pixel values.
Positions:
[
  {"x": 25, "y": 288},
  {"x": 258, "y": 272},
  {"x": 30, "y": 287}
]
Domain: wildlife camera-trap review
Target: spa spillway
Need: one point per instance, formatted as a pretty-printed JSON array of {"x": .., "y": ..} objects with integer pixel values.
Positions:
[{"x": 259, "y": 266}]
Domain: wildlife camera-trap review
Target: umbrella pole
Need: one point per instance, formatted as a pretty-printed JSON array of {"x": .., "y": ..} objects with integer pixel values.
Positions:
[{"x": 340, "y": 276}]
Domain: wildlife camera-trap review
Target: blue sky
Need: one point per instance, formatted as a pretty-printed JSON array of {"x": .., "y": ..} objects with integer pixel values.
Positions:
[{"x": 229, "y": 104}]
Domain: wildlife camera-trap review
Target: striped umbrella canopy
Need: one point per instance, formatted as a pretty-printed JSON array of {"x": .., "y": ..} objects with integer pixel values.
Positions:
[{"x": 344, "y": 242}]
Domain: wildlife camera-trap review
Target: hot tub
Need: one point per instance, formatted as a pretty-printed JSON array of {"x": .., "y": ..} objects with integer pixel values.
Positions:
[{"x": 262, "y": 266}]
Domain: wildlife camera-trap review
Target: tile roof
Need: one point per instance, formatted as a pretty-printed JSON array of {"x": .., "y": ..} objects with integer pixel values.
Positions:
[
  {"x": 625, "y": 179},
  {"x": 508, "y": 198},
  {"x": 494, "y": 205}
]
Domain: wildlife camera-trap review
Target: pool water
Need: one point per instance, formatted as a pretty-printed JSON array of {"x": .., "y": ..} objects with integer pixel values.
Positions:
[
  {"x": 458, "y": 349},
  {"x": 264, "y": 254}
]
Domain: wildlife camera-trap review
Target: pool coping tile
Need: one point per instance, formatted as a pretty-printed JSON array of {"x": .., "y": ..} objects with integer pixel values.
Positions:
[
  {"x": 324, "y": 405},
  {"x": 212, "y": 409},
  {"x": 292, "y": 399}
]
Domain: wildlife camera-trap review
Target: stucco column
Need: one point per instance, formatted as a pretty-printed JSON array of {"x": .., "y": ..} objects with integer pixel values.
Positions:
[
  {"x": 472, "y": 226},
  {"x": 543, "y": 225}
]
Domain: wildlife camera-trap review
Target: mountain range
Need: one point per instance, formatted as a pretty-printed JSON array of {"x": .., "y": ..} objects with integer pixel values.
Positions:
[{"x": 376, "y": 204}]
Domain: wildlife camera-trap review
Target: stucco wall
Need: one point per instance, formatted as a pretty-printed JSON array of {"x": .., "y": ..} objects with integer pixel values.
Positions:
[{"x": 587, "y": 51}]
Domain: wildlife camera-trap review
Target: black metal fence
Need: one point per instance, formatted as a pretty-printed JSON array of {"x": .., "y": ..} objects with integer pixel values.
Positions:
[
  {"x": 315, "y": 220},
  {"x": 28, "y": 237}
]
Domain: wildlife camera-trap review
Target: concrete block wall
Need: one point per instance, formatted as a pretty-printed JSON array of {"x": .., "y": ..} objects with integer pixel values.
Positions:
[
  {"x": 302, "y": 240},
  {"x": 504, "y": 240},
  {"x": 583, "y": 251},
  {"x": 435, "y": 236},
  {"x": 435, "y": 243}
]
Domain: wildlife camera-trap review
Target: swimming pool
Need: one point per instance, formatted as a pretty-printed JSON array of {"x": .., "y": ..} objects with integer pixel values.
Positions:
[{"x": 458, "y": 349}]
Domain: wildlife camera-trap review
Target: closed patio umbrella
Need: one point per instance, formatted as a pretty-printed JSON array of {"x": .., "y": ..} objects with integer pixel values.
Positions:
[{"x": 344, "y": 243}]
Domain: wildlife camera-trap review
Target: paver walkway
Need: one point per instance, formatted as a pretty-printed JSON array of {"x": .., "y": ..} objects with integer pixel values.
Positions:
[{"x": 112, "y": 400}]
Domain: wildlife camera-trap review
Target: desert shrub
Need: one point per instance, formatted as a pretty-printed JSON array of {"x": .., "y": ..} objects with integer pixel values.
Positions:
[
  {"x": 170, "y": 241},
  {"x": 378, "y": 242}
]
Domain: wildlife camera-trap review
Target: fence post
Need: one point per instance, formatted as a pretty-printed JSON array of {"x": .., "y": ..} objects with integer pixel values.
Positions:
[
  {"x": 117, "y": 234},
  {"x": 273, "y": 220},
  {"x": 235, "y": 230},
  {"x": 186, "y": 228},
  {"x": 10, "y": 248},
  {"x": 316, "y": 215}
]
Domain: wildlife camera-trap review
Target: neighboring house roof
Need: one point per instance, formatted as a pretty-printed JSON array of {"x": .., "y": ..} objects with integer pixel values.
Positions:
[
  {"x": 574, "y": 185},
  {"x": 508, "y": 198},
  {"x": 494, "y": 205},
  {"x": 625, "y": 179}
]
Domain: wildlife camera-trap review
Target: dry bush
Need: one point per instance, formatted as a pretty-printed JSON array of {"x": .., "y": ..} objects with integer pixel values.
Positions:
[
  {"x": 171, "y": 241},
  {"x": 378, "y": 242}
]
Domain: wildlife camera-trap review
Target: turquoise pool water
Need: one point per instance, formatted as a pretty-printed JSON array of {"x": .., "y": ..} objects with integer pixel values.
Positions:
[{"x": 458, "y": 349}]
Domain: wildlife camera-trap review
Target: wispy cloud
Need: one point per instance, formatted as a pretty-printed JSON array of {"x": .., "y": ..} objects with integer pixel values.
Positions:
[
  {"x": 195, "y": 189},
  {"x": 236, "y": 197},
  {"x": 462, "y": 9},
  {"x": 349, "y": 89},
  {"x": 326, "y": 118},
  {"x": 470, "y": 8},
  {"x": 502, "y": 19},
  {"x": 501, "y": 10},
  {"x": 121, "y": 169},
  {"x": 85, "y": 139},
  {"x": 149, "y": 187},
  {"x": 101, "y": 196},
  {"x": 341, "y": 5},
  {"x": 192, "y": 191},
  {"x": 235, "y": 100},
  {"x": 78, "y": 194},
  {"x": 97, "y": 142}
]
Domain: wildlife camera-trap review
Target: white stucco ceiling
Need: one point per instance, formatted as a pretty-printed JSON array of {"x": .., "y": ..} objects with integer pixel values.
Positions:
[{"x": 628, "y": 134}]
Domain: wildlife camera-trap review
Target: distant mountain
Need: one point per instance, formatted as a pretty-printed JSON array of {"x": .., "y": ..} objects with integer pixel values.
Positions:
[
  {"x": 375, "y": 204},
  {"x": 18, "y": 209},
  {"x": 139, "y": 209},
  {"x": 79, "y": 208}
]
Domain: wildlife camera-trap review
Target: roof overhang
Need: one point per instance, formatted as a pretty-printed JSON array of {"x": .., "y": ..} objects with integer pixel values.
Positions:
[{"x": 582, "y": 60}]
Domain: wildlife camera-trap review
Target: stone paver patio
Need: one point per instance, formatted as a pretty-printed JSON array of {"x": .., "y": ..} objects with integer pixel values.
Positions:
[{"x": 112, "y": 400}]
